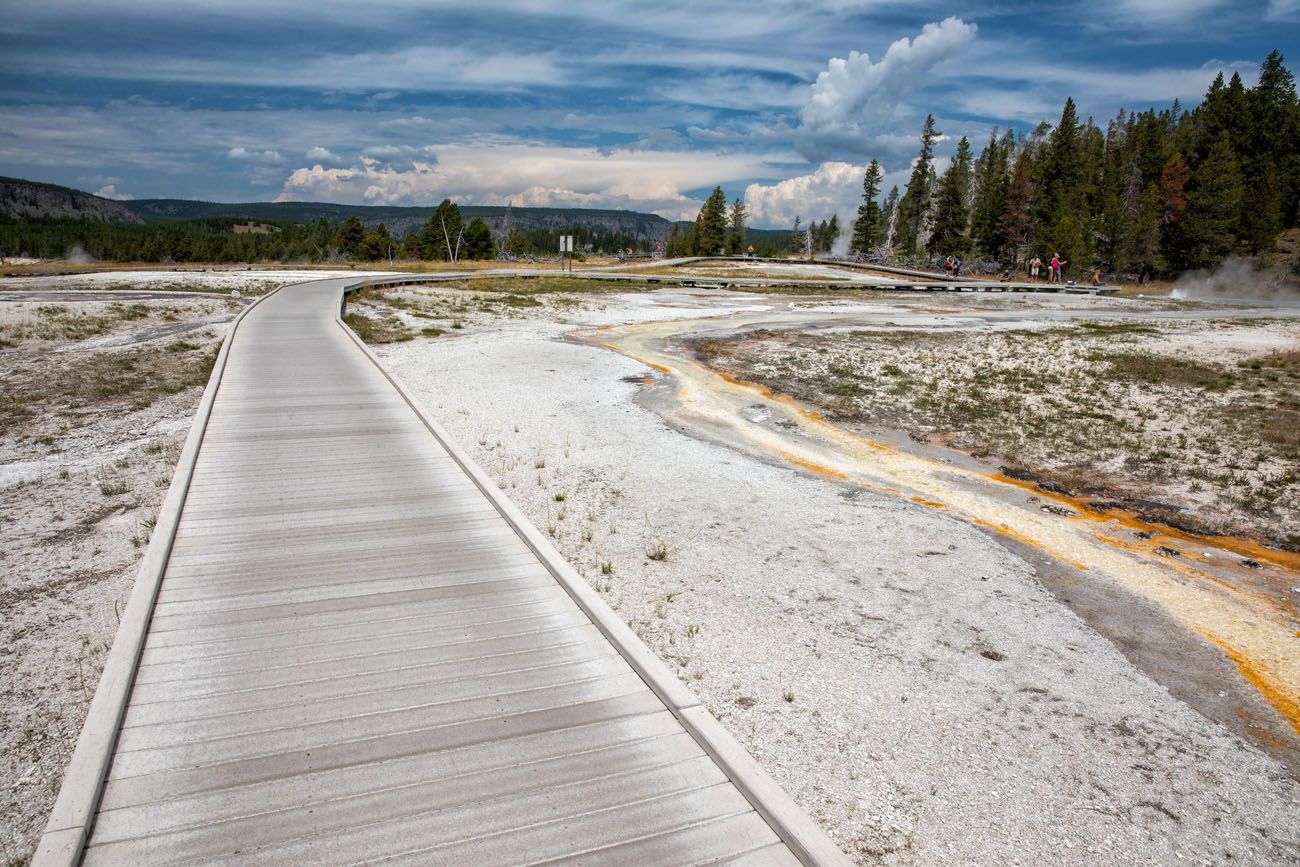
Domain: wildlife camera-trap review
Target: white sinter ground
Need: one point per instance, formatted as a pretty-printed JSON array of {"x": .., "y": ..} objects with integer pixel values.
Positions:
[
  {"x": 905, "y": 677},
  {"x": 876, "y": 619}
]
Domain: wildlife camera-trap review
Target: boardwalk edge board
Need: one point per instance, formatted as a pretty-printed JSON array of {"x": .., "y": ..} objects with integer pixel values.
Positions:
[
  {"x": 804, "y": 837},
  {"x": 72, "y": 820},
  {"x": 74, "y": 811}
]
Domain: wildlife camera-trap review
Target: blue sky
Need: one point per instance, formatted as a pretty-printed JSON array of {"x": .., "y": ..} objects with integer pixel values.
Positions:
[{"x": 606, "y": 104}]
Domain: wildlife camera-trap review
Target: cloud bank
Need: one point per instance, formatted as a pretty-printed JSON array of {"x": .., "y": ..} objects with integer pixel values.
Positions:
[
  {"x": 854, "y": 99},
  {"x": 597, "y": 103}
]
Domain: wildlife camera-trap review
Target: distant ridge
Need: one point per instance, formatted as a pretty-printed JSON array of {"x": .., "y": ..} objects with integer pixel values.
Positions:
[
  {"x": 31, "y": 200},
  {"x": 401, "y": 220}
]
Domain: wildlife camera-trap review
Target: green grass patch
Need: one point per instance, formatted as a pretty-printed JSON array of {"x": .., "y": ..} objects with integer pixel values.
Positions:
[
  {"x": 1108, "y": 329},
  {"x": 1151, "y": 369},
  {"x": 132, "y": 378},
  {"x": 378, "y": 330}
]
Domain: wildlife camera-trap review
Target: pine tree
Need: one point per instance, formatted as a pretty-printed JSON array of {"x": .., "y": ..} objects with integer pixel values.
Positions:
[
  {"x": 449, "y": 230},
  {"x": 951, "y": 214},
  {"x": 829, "y": 234},
  {"x": 1173, "y": 203},
  {"x": 992, "y": 180},
  {"x": 1275, "y": 130},
  {"x": 1262, "y": 220},
  {"x": 478, "y": 240},
  {"x": 1143, "y": 250},
  {"x": 711, "y": 225},
  {"x": 1015, "y": 226},
  {"x": 350, "y": 236},
  {"x": 867, "y": 229},
  {"x": 378, "y": 244},
  {"x": 1063, "y": 192},
  {"x": 1114, "y": 220},
  {"x": 1214, "y": 206},
  {"x": 673, "y": 244},
  {"x": 914, "y": 207},
  {"x": 1271, "y": 102},
  {"x": 442, "y": 234},
  {"x": 736, "y": 228},
  {"x": 798, "y": 239},
  {"x": 517, "y": 243}
]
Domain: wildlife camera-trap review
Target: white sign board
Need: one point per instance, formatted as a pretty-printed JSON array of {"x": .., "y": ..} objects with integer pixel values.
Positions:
[{"x": 566, "y": 243}]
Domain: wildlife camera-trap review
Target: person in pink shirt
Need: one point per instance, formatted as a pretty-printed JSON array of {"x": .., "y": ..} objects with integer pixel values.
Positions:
[{"x": 1054, "y": 268}]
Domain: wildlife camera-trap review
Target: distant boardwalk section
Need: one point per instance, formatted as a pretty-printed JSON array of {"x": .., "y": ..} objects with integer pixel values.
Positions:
[{"x": 345, "y": 644}]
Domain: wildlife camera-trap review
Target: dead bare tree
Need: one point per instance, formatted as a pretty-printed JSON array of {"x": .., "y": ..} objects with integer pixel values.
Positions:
[{"x": 453, "y": 250}]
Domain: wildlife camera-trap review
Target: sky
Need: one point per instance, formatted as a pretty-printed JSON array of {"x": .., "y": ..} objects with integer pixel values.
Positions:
[{"x": 588, "y": 103}]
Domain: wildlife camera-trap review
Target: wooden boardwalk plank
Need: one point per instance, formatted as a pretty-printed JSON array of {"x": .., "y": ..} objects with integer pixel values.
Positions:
[{"x": 357, "y": 651}]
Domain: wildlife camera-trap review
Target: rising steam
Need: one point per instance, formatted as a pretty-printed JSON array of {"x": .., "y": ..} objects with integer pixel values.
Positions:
[
  {"x": 1237, "y": 279},
  {"x": 78, "y": 255}
]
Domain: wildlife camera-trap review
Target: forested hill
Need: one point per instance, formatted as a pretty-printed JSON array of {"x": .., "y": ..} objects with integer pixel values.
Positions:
[
  {"x": 28, "y": 200},
  {"x": 45, "y": 221},
  {"x": 22, "y": 200},
  {"x": 402, "y": 220}
]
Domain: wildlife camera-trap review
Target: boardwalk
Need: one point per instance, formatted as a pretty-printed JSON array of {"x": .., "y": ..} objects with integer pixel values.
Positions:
[{"x": 359, "y": 650}]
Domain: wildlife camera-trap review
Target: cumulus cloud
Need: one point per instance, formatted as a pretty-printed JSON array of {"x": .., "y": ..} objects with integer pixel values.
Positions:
[
  {"x": 834, "y": 188},
  {"x": 499, "y": 172},
  {"x": 853, "y": 97},
  {"x": 109, "y": 191},
  {"x": 265, "y": 157}
]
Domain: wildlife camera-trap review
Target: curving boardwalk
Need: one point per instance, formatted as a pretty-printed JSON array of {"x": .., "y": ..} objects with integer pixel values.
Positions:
[{"x": 346, "y": 645}]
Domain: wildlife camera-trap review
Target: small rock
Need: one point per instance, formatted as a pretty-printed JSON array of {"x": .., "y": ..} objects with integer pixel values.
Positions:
[
  {"x": 1250, "y": 564},
  {"x": 1060, "y": 510},
  {"x": 1165, "y": 551}
]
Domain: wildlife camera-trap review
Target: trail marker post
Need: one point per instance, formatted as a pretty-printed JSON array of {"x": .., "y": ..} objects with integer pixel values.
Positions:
[{"x": 566, "y": 246}]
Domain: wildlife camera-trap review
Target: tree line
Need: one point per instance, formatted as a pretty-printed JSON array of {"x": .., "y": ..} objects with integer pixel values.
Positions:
[
  {"x": 719, "y": 230},
  {"x": 443, "y": 236},
  {"x": 1155, "y": 192}
]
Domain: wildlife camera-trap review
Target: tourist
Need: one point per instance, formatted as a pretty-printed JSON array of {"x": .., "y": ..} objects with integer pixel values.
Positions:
[
  {"x": 1054, "y": 268},
  {"x": 1034, "y": 265}
]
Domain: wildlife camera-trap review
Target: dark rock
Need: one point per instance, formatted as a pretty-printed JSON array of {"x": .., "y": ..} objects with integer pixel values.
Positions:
[{"x": 29, "y": 200}]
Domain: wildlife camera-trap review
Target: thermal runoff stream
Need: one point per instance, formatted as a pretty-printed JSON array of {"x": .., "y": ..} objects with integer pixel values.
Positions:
[{"x": 1217, "y": 587}]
